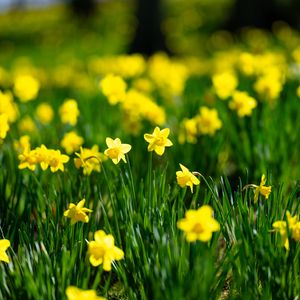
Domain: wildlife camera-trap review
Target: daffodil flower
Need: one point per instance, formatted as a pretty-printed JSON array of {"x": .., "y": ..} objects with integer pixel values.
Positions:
[
  {"x": 260, "y": 189},
  {"x": 158, "y": 140},
  {"x": 74, "y": 293},
  {"x": 186, "y": 178},
  {"x": 4, "y": 244},
  {"x": 199, "y": 224},
  {"x": 103, "y": 250},
  {"x": 77, "y": 212},
  {"x": 116, "y": 150}
]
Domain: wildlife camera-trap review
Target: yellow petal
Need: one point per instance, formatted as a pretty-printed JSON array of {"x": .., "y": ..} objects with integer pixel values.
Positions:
[
  {"x": 109, "y": 142},
  {"x": 205, "y": 236},
  {"x": 98, "y": 235},
  {"x": 4, "y": 244},
  {"x": 183, "y": 168},
  {"x": 95, "y": 261},
  {"x": 168, "y": 143},
  {"x": 159, "y": 150},
  {"x": 106, "y": 265},
  {"x": 125, "y": 148},
  {"x": 80, "y": 203},
  {"x": 148, "y": 137},
  {"x": 165, "y": 132}
]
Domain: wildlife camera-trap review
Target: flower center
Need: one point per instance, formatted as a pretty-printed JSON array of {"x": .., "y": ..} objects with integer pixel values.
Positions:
[
  {"x": 198, "y": 228},
  {"x": 160, "y": 141}
]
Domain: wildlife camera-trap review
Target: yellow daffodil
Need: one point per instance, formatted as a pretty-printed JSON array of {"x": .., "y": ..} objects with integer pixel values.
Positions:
[
  {"x": 71, "y": 142},
  {"x": 224, "y": 84},
  {"x": 199, "y": 224},
  {"x": 26, "y": 87},
  {"x": 138, "y": 106},
  {"x": 262, "y": 189},
  {"x": 8, "y": 106},
  {"x": 269, "y": 87},
  {"x": 114, "y": 88},
  {"x": 4, "y": 126},
  {"x": 56, "y": 160},
  {"x": 44, "y": 113},
  {"x": 186, "y": 178},
  {"x": 4, "y": 244},
  {"x": 292, "y": 225},
  {"x": 242, "y": 103},
  {"x": 116, "y": 150},
  {"x": 28, "y": 159},
  {"x": 74, "y": 293},
  {"x": 158, "y": 140},
  {"x": 26, "y": 124},
  {"x": 189, "y": 131},
  {"x": 22, "y": 144},
  {"x": 103, "y": 250},
  {"x": 77, "y": 212},
  {"x": 208, "y": 121},
  {"x": 43, "y": 156},
  {"x": 89, "y": 159},
  {"x": 69, "y": 112}
]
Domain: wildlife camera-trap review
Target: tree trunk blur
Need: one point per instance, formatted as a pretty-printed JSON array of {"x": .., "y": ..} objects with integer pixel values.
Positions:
[
  {"x": 83, "y": 8},
  {"x": 263, "y": 14},
  {"x": 148, "y": 37}
]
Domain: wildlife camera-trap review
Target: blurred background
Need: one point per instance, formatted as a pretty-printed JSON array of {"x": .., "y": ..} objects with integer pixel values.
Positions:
[
  {"x": 65, "y": 48},
  {"x": 55, "y": 28}
]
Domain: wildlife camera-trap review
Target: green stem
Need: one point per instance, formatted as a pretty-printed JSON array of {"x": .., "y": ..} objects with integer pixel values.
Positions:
[
  {"x": 150, "y": 175},
  {"x": 131, "y": 177}
]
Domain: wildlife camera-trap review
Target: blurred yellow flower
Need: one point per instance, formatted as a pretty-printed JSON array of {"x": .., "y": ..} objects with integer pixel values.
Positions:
[
  {"x": 158, "y": 140},
  {"x": 208, "y": 121},
  {"x": 116, "y": 150},
  {"x": 89, "y": 159},
  {"x": 268, "y": 87},
  {"x": 69, "y": 112},
  {"x": 186, "y": 178},
  {"x": 199, "y": 224},
  {"x": 44, "y": 113},
  {"x": 114, "y": 88},
  {"x": 26, "y": 124},
  {"x": 8, "y": 106},
  {"x": 56, "y": 160},
  {"x": 71, "y": 142},
  {"x": 4, "y": 126},
  {"x": 4, "y": 244},
  {"x": 296, "y": 232},
  {"x": 77, "y": 212},
  {"x": 22, "y": 144},
  {"x": 242, "y": 103},
  {"x": 224, "y": 84},
  {"x": 298, "y": 91},
  {"x": 74, "y": 293},
  {"x": 103, "y": 250},
  {"x": 292, "y": 225},
  {"x": 262, "y": 189},
  {"x": 247, "y": 63},
  {"x": 169, "y": 75},
  {"x": 143, "y": 85},
  {"x": 28, "y": 159},
  {"x": 189, "y": 131},
  {"x": 26, "y": 87},
  {"x": 138, "y": 106},
  {"x": 43, "y": 156}
]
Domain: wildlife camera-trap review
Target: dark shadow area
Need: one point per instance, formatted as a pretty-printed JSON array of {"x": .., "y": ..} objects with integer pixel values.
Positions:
[
  {"x": 262, "y": 14},
  {"x": 148, "y": 37}
]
